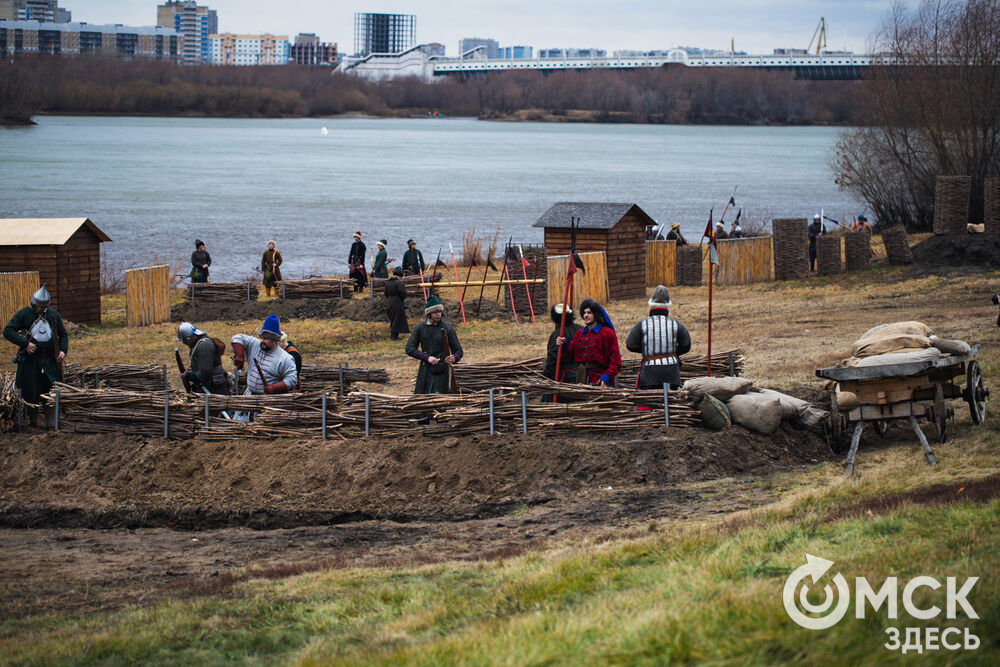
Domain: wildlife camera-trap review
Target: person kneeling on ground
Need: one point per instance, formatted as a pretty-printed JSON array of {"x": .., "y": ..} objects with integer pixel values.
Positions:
[
  {"x": 661, "y": 340},
  {"x": 270, "y": 369},
  {"x": 594, "y": 347},
  {"x": 205, "y": 373},
  {"x": 439, "y": 349}
]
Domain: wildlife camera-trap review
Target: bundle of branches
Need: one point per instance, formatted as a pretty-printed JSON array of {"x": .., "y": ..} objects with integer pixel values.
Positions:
[
  {"x": 10, "y": 404},
  {"x": 219, "y": 292},
  {"x": 330, "y": 375},
  {"x": 118, "y": 411},
  {"x": 483, "y": 375},
  {"x": 131, "y": 377},
  {"x": 318, "y": 288}
]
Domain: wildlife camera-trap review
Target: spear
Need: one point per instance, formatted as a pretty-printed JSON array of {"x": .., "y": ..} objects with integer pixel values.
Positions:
[
  {"x": 506, "y": 276},
  {"x": 574, "y": 262},
  {"x": 437, "y": 263},
  {"x": 468, "y": 274},
  {"x": 489, "y": 265},
  {"x": 524, "y": 270},
  {"x": 454, "y": 265}
]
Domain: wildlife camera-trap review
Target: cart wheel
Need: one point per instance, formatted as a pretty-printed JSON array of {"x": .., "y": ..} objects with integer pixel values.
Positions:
[
  {"x": 881, "y": 427},
  {"x": 940, "y": 412},
  {"x": 975, "y": 393}
]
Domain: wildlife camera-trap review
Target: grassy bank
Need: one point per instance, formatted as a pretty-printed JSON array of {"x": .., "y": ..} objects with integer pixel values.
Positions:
[{"x": 691, "y": 590}]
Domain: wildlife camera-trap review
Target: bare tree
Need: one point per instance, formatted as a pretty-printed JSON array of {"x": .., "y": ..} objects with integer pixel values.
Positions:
[{"x": 934, "y": 108}]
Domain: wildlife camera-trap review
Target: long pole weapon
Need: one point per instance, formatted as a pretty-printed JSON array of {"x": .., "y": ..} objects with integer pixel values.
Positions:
[
  {"x": 434, "y": 270},
  {"x": 506, "y": 276},
  {"x": 710, "y": 233},
  {"x": 421, "y": 272},
  {"x": 571, "y": 267},
  {"x": 524, "y": 270},
  {"x": 454, "y": 265},
  {"x": 468, "y": 274},
  {"x": 482, "y": 288}
]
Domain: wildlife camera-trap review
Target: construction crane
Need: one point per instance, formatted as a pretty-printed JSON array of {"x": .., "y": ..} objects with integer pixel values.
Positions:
[{"x": 820, "y": 31}]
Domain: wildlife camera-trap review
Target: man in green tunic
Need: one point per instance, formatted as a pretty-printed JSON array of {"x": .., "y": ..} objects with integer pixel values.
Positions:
[
  {"x": 439, "y": 349},
  {"x": 413, "y": 259},
  {"x": 42, "y": 343},
  {"x": 380, "y": 267}
]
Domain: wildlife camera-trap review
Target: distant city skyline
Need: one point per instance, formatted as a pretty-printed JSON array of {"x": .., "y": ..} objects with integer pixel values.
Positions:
[{"x": 756, "y": 27}]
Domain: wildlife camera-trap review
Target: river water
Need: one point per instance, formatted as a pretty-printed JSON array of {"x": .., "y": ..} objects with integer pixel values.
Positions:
[{"x": 155, "y": 184}]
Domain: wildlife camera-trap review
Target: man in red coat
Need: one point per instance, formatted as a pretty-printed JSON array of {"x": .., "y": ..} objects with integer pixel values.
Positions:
[{"x": 594, "y": 347}]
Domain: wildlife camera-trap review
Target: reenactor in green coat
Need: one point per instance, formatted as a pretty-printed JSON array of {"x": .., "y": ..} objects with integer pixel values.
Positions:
[
  {"x": 380, "y": 267},
  {"x": 42, "y": 343},
  {"x": 435, "y": 344}
]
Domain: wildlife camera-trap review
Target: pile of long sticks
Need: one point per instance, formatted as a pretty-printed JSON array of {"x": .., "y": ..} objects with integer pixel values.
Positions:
[
  {"x": 134, "y": 377},
  {"x": 483, "y": 375},
  {"x": 221, "y": 292},
  {"x": 10, "y": 404},
  {"x": 514, "y": 409},
  {"x": 409, "y": 281},
  {"x": 330, "y": 375},
  {"x": 317, "y": 288}
]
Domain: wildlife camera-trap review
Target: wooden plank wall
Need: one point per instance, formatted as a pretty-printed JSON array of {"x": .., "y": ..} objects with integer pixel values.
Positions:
[
  {"x": 78, "y": 285},
  {"x": 590, "y": 285},
  {"x": 624, "y": 246},
  {"x": 147, "y": 295},
  {"x": 38, "y": 258},
  {"x": 745, "y": 261},
  {"x": 661, "y": 261},
  {"x": 15, "y": 292}
]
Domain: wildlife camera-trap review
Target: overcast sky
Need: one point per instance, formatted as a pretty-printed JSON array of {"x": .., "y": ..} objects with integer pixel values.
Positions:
[{"x": 758, "y": 26}]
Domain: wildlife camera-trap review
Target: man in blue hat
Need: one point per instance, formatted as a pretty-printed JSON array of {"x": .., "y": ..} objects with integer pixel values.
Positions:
[
  {"x": 438, "y": 350},
  {"x": 270, "y": 370},
  {"x": 42, "y": 343}
]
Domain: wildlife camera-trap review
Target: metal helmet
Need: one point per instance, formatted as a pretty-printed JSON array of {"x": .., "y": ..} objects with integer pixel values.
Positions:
[
  {"x": 41, "y": 297},
  {"x": 186, "y": 330}
]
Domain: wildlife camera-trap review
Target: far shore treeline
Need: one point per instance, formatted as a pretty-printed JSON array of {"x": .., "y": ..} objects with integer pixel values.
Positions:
[{"x": 674, "y": 95}]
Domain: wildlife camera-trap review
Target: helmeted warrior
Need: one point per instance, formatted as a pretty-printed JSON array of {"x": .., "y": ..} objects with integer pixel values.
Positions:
[
  {"x": 42, "y": 343},
  {"x": 661, "y": 340},
  {"x": 205, "y": 371},
  {"x": 438, "y": 350},
  {"x": 815, "y": 230}
]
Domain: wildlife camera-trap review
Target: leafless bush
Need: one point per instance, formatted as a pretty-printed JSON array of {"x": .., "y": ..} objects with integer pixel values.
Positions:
[
  {"x": 479, "y": 248},
  {"x": 935, "y": 93}
]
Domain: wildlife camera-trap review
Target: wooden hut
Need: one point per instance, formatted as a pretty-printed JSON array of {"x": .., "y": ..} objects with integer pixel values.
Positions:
[
  {"x": 619, "y": 230},
  {"x": 66, "y": 252}
]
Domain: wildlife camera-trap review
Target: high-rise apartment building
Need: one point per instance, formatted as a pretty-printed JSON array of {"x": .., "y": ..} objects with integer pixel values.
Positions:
[
  {"x": 24, "y": 38},
  {"x": 491, "y": 48},
  {"x": 248, "y": 50},
  {"x": 309, "y": 50},
  {"x": 516, "y": 52},
  {"x": 383, "y": 33},
  {"x": 46, "y": 11},
  {"x": 194, "y": 22}
]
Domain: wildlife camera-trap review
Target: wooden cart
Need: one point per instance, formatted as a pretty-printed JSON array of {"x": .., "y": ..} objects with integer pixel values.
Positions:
[{"x": 908, "y": 391}]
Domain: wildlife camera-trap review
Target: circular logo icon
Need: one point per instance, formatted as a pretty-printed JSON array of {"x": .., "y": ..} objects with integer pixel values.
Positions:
[{"x": 814, "y": 569}]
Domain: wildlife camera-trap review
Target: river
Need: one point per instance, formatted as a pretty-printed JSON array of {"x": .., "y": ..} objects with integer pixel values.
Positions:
[{"x": 154, "y": 185}]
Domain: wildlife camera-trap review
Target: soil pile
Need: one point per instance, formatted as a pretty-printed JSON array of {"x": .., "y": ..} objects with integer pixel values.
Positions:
[
  {"x": 123, "y": 481},
  {"x": 358, "y": 310},
  {"x": 958, "y": 250}
]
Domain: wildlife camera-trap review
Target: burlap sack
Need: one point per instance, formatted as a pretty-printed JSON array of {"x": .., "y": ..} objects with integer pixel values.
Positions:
[
  {"x": 791, "y": 407},
  {"x": 714, "y": 413},
  {"x": 880, "y": 344},
  {"x": 955, "y": 347},
  {"x": 847, "y": 400},
  {"x": 723, "y": 388},
  {"x": 911, "y": 327},
  {"x": 756, "y": 412},
  {"x": 903, "y": 357}
]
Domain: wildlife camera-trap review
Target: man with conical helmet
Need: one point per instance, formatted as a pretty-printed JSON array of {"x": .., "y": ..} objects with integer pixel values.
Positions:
[
  {"x": 205, "y": 371},
  {"x": 42, "y": 343}
]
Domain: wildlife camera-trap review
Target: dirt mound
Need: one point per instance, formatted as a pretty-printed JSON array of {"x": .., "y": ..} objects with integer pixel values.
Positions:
[
  {"x": 105, "y": 482},
  {"x": 958, "y": 250},
  {"x": 370, "y": 309}
]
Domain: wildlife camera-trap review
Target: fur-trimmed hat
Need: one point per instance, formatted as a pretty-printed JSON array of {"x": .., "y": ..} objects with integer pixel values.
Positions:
[
  {"x": 660, "y": 298},
  {"x": 271, "y": 329},
  {"x": 275, "y": 244},
  {"x": 410, "y": 242},
  {"x": 433, "y": 305},
  {"x": 357, "y": 235},
  {"x": 674, "y": 225},
  {"x": 557, "y": 311},
  {"x": 382, "y": 243}
]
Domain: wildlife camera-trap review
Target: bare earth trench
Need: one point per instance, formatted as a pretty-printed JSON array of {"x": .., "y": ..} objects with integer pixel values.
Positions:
[{"x": 95, "y": 522}]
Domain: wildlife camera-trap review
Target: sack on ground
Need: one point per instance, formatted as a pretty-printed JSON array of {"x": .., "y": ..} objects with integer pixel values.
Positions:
[
  {"x": 714, "y": 413},
  {"x": 722, "y": 388},
  {"x": 813, "y": 419},
  {"x": 904, "y": 357},
  {"x": 756, "y": 412},
  {"x": 955, "y": 347},
  {"x": 791, "y": 407}
]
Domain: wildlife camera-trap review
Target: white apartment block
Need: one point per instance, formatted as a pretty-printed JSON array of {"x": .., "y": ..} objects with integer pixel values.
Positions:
[{"x": 230, "y": 49}]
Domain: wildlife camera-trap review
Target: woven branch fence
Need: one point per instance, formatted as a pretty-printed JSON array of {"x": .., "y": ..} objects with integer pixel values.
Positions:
[
  {"x": 516, "y": 408},
  {"x": 221, "y": 292},
  {"x": 952, "y": 198},
  {"x": 689, "y": 265},
  {"x": 483, "y": 375},
  {"x": 16, "y": 290},
  {"x": 661, "y": 263},
  {"x": 897, "y": 245},
  {"x": 147, "y": 295},
  {"x": 828, "y": 255},
  {"x": 991, "y": 205},
  {"x": 791, "y": 248},
  {"x": 589, "y": 284},
  {"x": 857, "y": 250}
]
